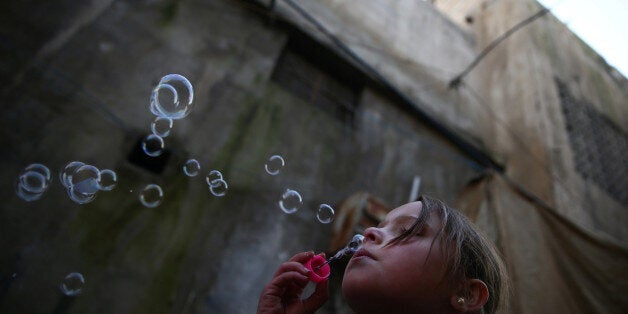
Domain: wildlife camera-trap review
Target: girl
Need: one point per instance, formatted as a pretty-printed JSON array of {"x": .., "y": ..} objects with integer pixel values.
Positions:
[{"x": 423, "y": 258}]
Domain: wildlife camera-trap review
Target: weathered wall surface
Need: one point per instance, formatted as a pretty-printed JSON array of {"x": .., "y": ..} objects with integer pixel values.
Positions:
[
  {"x": 518, "y": 81},
  {"x": 527, "y": 83},
  {"x": 77, "y": 80}
]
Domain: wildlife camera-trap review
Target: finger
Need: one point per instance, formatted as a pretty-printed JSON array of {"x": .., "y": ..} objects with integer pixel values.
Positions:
[
  {"x": 318, "y": 298},
  {"x": 292, "y": 266},
  {"x": 286, "y": 281},
  {"x": 302, "y": 257}
]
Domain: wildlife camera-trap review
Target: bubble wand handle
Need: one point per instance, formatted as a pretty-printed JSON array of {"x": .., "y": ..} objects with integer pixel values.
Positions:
[
  {"x": 350, "y": 249},
  {"x": 333, "y": 258}
]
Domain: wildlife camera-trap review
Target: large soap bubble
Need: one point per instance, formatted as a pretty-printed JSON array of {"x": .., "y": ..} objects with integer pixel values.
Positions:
[{"x": 172, "y": 97}]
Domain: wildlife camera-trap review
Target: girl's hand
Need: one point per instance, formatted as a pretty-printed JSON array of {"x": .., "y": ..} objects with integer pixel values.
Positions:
[{"x": 283, "y": 292}]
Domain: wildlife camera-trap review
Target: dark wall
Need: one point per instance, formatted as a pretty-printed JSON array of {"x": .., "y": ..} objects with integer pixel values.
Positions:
[{"x": 78, "y": 86}]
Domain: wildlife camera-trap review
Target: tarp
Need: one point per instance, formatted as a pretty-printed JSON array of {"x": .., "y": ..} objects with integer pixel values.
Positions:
[{"x": 554, "y": 265}]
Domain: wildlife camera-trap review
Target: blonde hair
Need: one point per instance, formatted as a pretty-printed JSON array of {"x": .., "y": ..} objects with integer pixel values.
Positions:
[{"x": 467, "y": 252}]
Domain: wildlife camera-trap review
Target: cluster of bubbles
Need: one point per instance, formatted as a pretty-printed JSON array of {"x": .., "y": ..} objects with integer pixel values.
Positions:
[
  {"x": 217, "y": 184},
  {"x": 72, "y": 284},
  {"x": 33, "y": 182},
  {"x": 170, "y": 100},
  {"x": 82, "y": 181},
  {"x": 215, "y": 181},
  {"x": 291, "y": 200}
]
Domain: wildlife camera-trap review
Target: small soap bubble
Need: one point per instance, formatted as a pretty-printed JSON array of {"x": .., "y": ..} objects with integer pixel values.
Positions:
[
  {"x": 355, "y": 243},
  {"x": 325, "y": 213},
  {"x": 72, "y": 284},
  {"x": 274, "y": 164},
  {"x": 108, "y": 180},
  {"x": 212, "y": 176},
  {"x": 191, "y": 168},
  {"x": 218, "y": 187},
  {"x": 161, "y": 126},
  {"x": 33, "y": 182},
  {"x": 85, "y": 179},
  {"x": 151, "y": 196},
  {"x": 66, "y": 173},
  {"x": 78, "y": 197},
  {"x": 153, "y": 145},
  {"x": 39, "y": 168},
  {"x": 290, "y": 201},
  {"x": 26, "y": 195},
  {"x": 172, "y": 98}
]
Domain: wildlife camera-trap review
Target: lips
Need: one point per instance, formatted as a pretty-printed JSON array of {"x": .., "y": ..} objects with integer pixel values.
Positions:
[{"x": 363, "y": 253}]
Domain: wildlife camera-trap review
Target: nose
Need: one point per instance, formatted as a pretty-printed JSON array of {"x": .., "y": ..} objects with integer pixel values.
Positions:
[{"x": 374, "y": 235}]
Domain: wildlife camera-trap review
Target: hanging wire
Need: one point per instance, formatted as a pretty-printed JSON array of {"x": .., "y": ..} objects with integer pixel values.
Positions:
[{"x": 455, "y": 82}]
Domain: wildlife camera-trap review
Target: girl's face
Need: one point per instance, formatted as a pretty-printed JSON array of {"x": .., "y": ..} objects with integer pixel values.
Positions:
[{"x": 405, "y": 277}]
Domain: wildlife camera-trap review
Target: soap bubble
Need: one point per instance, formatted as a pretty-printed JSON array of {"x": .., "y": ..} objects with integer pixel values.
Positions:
[
  {"x": 325, "y": 213},
  {"x": 218, "y": 187},
  {"x": 153, "y": 145},
  {"x": 151, "y": 196},
  {"x": 274, "y": 164},
  {"x": 290, "y": 201},
  {"x": 72, "y": 284},
  {"x": 191, "y": 168},
  {"x": 33, "y": 182},
  {"x": 172, "y": 98},
  {"x": 85, "y": 180},
  {"x": 35, "y": 178},
  {"x": 108, "y": 180},
  {"x": 161, "y": 126},
  {"x": 43, "y": 177},
  {"x": 82, "y": 181},
  {"x": 78, "y": 197},
  {"x": 355, "y": 243},
  {"x": 66, "y": 173},
  {"x": 26, "y": 195},
  {"x": 212, "y": 176}
]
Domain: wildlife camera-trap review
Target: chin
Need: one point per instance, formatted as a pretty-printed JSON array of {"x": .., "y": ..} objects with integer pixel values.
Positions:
[{"x": 357, "y": 290}]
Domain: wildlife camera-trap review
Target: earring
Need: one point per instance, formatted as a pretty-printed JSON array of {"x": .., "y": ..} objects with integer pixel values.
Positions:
[{"x": 460, "y": 301}]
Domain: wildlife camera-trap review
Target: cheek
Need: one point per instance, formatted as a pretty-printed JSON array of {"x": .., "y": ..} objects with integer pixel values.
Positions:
[{"x": 416, "y": 266}]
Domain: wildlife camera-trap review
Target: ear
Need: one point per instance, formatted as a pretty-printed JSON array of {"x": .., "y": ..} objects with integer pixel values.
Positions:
[{"x": 474, "y": 298}]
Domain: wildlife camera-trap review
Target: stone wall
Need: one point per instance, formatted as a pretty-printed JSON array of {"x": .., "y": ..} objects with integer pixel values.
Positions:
[{"x": 77, "y": 84}]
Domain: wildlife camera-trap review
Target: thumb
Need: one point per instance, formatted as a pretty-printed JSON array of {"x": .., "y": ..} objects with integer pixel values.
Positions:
[{"x": 318, "y": 298}]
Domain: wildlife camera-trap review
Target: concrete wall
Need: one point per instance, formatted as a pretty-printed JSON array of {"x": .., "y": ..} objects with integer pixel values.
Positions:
[
  {"x": 527, "y": 128},
  {"x": 77, "y": 82}
]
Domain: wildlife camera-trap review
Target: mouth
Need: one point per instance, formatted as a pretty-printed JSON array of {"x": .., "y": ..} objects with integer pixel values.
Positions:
[{"x": 362, "y": 253}]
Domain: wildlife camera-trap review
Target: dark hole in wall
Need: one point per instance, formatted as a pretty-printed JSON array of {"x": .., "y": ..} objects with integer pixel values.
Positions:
[{"x": 138, "y": 157}]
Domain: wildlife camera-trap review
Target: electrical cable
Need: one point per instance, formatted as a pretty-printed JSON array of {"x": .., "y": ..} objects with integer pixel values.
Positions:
[{"x": 458, "y": 79}]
